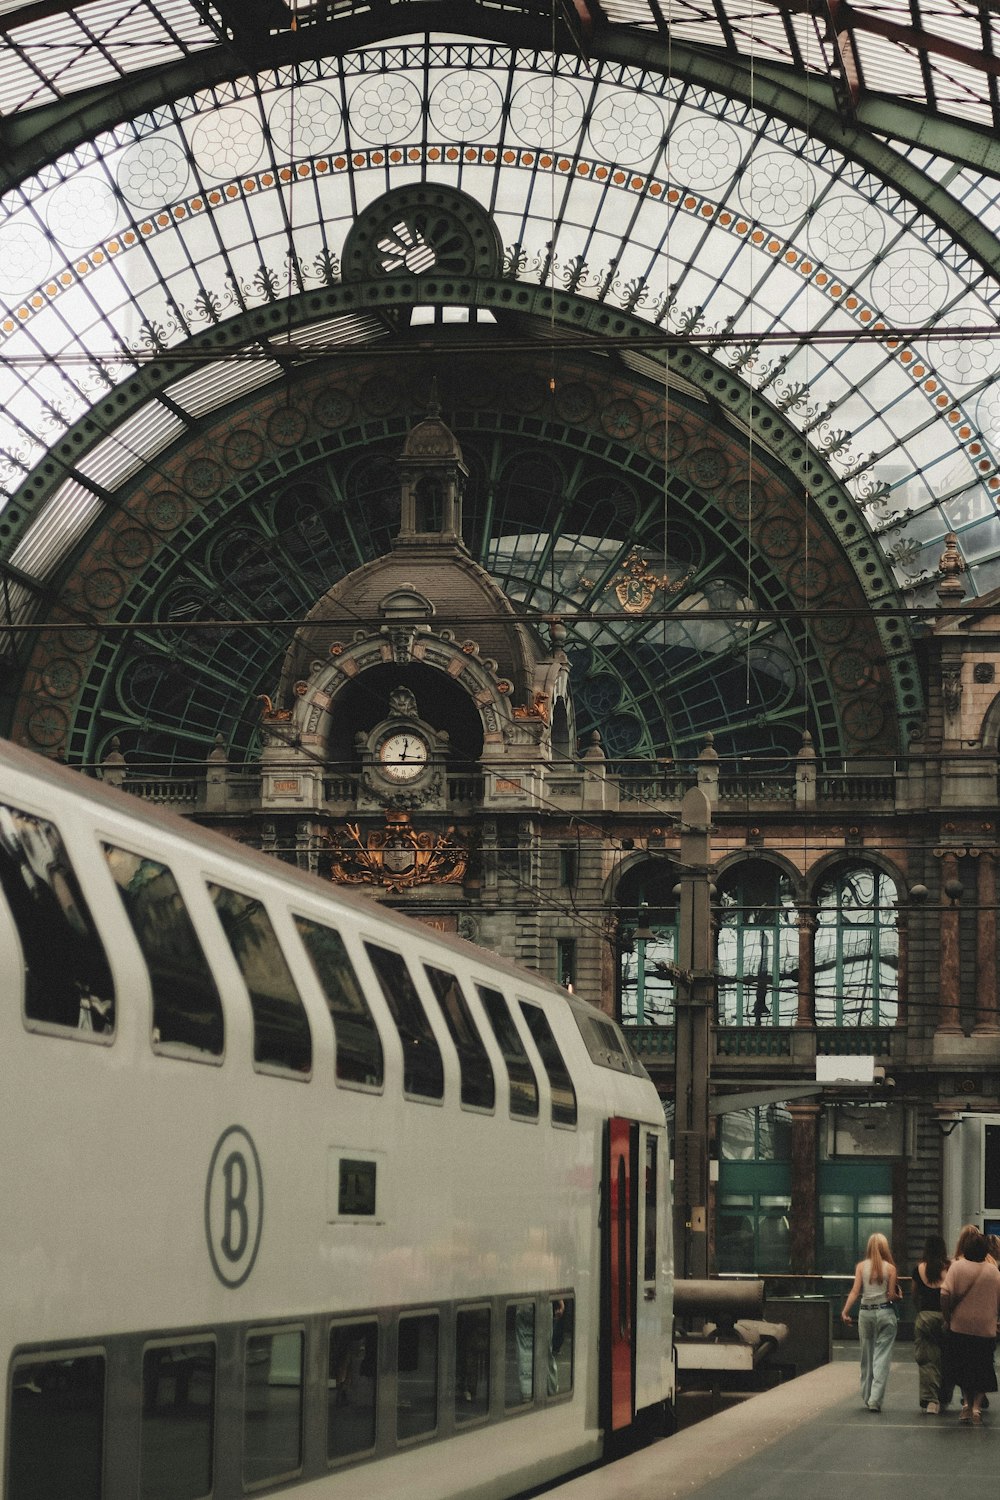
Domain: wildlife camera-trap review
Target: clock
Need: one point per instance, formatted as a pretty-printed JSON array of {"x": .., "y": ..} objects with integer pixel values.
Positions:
[{"x": 402, "y": 755}]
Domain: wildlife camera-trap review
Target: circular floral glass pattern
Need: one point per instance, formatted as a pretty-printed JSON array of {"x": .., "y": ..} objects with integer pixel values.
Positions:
[
  {"x": 228, "y": 142},
  {"x": 385, "y": 108},
  {"x": 153, "y": 171},
  {"x": 82, "y": 211},
  {"x": 306, "y": 122},
  {"x": 777, "y": 188},
  {"x": 546, "y": 111},
  {"x": 626, "y": 128},
  {"x": 704, "y": 153},
  {"x": 963, "y": 360},
  {"x": 465, "y": 106},
  {"x": 25, "y": 258}
]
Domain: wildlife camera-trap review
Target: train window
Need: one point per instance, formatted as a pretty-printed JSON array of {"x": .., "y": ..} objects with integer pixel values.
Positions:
[
  {"x": 359, "y": 1049},
  {"x": 649, "y": 1255},
  {"x": 56, "y": 1431},
  {"x": 519, "y": 1355},
  {"x": 178, "y": 1420},
  {"x": 472, "y": 1364},
  {"x": 559, "y": 1374},
  {"x": 272, "y": 1406},
  {"x": 67, "y": 979},
  {"x": 352, "y": 1389},
  {"x": 477, "y": 1075},
  {"x": 563, "y": 1092},
  {"x": 417, "y": 1376},
  {"x": 187, "y": 1008},
  {"x": 281, "y": 1036},
  {"x": 520, "y": 1073},
  {"x": 423, "y": 1072}
]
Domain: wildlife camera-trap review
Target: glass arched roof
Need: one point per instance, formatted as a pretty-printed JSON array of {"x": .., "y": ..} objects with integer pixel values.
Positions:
[{"x": 813, "y": 212}]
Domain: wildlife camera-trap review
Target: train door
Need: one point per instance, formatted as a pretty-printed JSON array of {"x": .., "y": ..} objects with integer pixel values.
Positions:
[{"x": 621, "y": 1224}]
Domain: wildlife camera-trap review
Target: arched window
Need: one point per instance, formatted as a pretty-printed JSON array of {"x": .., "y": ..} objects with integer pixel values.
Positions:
[
  {"x": 757, "y": 953},
  {"x": 856, "y": 960},
  {"x": 647, "y": 946}
]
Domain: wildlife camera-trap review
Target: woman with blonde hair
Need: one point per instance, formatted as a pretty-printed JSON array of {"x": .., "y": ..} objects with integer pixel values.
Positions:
[{"x": 875, "y": 1283}]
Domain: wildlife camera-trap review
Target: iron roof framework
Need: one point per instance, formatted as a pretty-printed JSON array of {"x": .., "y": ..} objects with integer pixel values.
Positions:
[{"x": 803, "y": 196}]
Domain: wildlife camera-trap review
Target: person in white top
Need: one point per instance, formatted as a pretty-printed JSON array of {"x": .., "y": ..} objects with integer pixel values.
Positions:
[{"x": 876, "y": 1284}]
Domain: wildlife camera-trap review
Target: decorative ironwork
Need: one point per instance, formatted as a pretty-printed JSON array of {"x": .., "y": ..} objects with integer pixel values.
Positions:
[
  {"x": 637, "y": 584},
  {"x": 398, "y": 856}
]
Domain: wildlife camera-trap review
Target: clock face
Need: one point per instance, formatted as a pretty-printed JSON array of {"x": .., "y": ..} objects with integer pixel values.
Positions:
[{"x": 403, "y": 755}]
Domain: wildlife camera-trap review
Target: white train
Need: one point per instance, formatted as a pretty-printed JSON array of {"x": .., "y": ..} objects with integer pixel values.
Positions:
[{"x": 298, "y": 1193}]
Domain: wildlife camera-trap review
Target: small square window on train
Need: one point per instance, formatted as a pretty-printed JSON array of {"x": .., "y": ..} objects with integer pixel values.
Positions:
[{"x": 67, "y": 978}]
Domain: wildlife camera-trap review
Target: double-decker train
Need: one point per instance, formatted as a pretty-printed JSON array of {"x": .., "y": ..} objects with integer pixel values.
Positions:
[{"x": 297, "y": 1192}]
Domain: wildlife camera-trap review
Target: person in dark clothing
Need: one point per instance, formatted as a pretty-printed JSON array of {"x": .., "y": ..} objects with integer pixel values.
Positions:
[{"x": 928, "y": 1328}]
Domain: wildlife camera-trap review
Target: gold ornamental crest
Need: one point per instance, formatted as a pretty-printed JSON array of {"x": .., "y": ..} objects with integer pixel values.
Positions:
[{"x": 397, "y": 856}]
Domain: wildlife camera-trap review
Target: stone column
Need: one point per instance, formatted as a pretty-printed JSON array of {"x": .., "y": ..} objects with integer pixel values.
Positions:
[
  {"x": 807, "y": 951},
  {"x": 949, "y": 981},
  {"x": 805, "y": 1199},
  {"x": 987, "y": 1023}
]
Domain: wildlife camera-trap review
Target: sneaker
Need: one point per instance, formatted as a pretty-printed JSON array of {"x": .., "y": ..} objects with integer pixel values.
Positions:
[
  {"x": 932, "y": 1408},
  {"x": 874, "y": 1406}
]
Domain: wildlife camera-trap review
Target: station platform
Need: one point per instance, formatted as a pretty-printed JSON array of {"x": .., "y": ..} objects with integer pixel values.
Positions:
[{"x": 811, "y": 1439}]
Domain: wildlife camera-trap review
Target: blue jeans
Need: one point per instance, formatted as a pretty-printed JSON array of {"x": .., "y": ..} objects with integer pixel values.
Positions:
[{"x": 876, "y": 1334}]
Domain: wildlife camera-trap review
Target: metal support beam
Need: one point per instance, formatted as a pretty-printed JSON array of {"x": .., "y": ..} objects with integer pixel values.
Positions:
[{"x": 695, "y": 997}]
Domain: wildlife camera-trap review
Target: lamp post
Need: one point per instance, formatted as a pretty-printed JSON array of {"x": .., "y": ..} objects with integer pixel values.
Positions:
[{"x": 692, "y": 1056}]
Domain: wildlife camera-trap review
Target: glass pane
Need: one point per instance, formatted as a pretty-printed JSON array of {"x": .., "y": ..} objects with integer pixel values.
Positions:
[
  {"x": 477, "y": 1075},
  {"x": 67, "y": 981},
  {"x": 734, "y": 1246},
  {"x": 773, "y": 1234},
  {"x": 187, "y": 1008},
  {"x": 838, "y": 1249},
  {"x": 272, "y": 1441},
  {"x": 563, "y": 1092},
  {"x": 875, "y": 1203},
  {"x": 280, "y": 1028},
  {"x": 352, "y": 1389},
  {"x": 178, "y": 1412},
  {"x": 519, "y": 1354},
  {"x": 559, "y": 1377},
  {"x": 520, "y": 1073},
  {"x": 472, "y": 1363},
  {"x": 423, "y": 1073},
  {"x": 649, "y": 1255},
  {"x": 56, "y": 1442},
  {"x": 416, "y": 1403},
  {"x": 359, "y": 1049}
]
